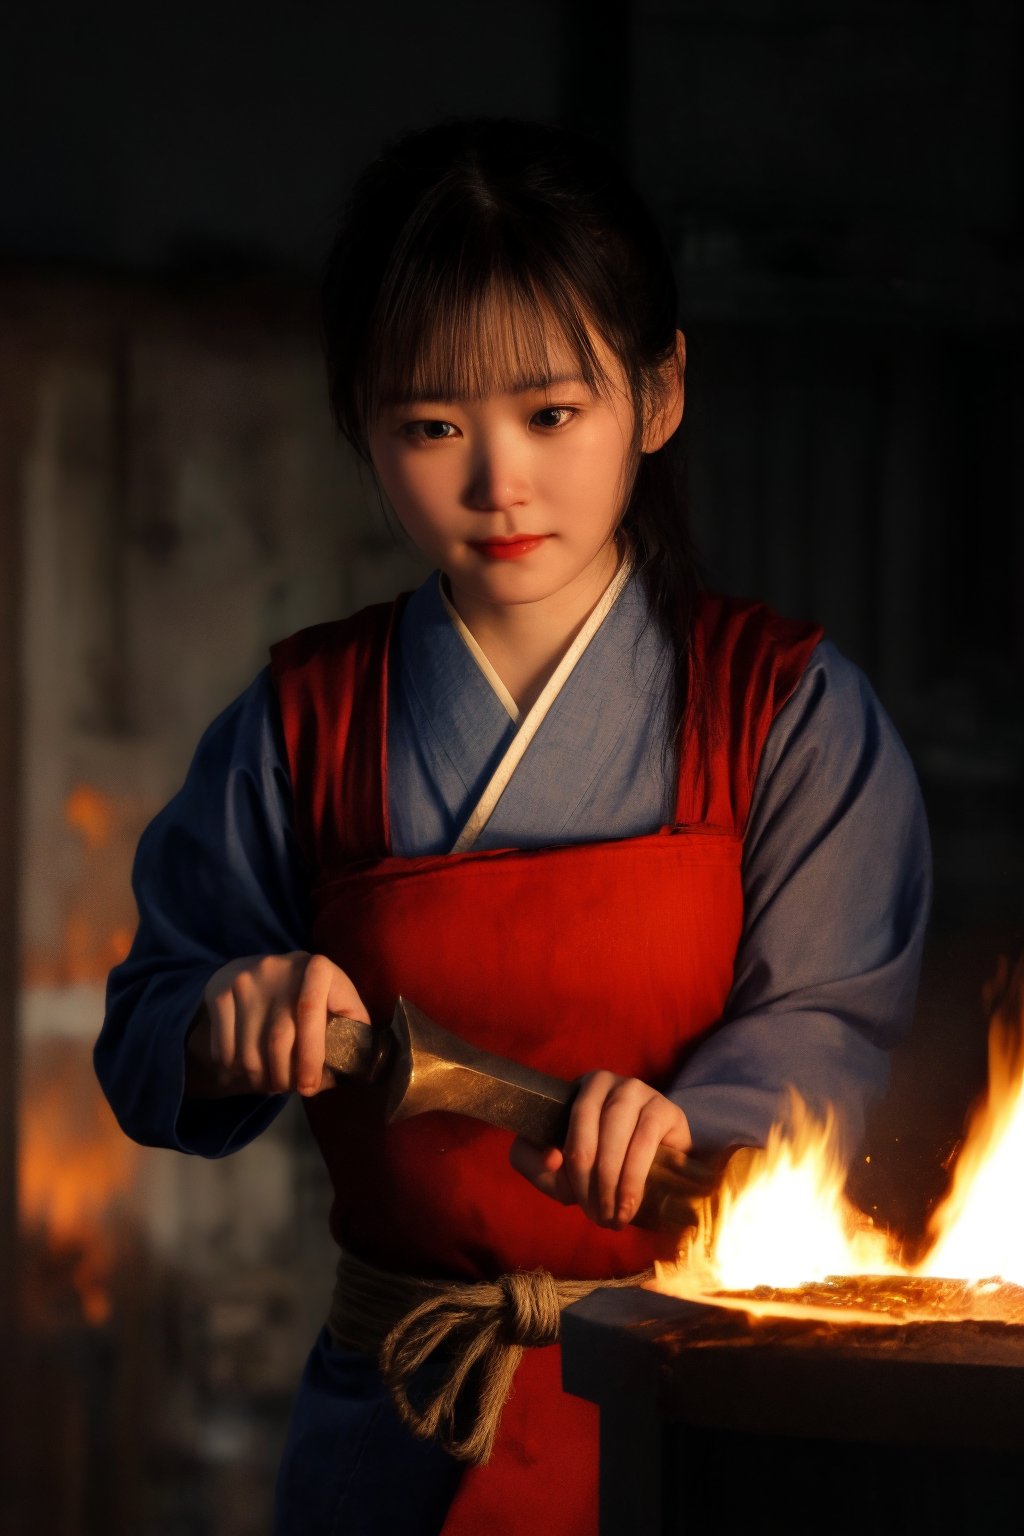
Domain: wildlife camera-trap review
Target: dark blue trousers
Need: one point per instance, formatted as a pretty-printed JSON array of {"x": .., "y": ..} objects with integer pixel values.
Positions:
[{"x": 350, "y": 1467}]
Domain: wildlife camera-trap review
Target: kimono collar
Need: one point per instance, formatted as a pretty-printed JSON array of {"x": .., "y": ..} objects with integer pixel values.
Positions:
[{"x": 462, "y": 726}]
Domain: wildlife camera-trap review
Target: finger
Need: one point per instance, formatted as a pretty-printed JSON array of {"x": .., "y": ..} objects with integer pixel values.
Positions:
[
  {"x": 223, "y": 1008},
  {"x": 581, "y": 1141},
  {"x": 620, "y": 1115},
  {"x": 543, "y": 1167},
  {"x": 250, "y": 1018},
  {"x": 343, "y": 997},
  {"x": 279, "y": 1047},
  {"x": 325, "y": 990},
  {"x": 678, "y": 1136},
  {"x": 311, "y": 1009},
  {"x": 530, "y": 1160},
  {"x": 660, "y": 1123},
  {"x": 220, "y": 1026}
]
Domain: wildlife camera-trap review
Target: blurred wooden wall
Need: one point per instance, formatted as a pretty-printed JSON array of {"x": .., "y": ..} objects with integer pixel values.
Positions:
[
  {"x": 14, "y": 421},
  {"x": 173, "y": 499}
]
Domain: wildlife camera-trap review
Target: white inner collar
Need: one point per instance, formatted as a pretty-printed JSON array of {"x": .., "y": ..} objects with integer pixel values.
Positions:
[
  {"x": 531, "y": 722},
  {"x": 469, "y": 640}
]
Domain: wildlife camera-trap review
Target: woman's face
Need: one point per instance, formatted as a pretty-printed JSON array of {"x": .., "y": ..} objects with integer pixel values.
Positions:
[{"x": 515, "y": 496}]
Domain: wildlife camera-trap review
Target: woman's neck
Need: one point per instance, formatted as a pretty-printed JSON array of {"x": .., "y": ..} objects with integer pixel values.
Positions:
[{"x": 524, "y": 642}]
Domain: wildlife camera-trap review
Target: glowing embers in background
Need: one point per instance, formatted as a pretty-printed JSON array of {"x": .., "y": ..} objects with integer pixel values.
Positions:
[
  {"x": 781, "y": 1221},
  {"x": 75, "y": 1168}
]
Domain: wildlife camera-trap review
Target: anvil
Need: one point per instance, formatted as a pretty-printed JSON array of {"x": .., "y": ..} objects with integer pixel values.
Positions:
[{"x": 424, "y": 1067}]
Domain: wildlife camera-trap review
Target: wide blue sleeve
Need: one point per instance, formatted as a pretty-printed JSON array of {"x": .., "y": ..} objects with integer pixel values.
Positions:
[
  {"x": 837, "y": 889},
  {"x": 217, "y": 875}
]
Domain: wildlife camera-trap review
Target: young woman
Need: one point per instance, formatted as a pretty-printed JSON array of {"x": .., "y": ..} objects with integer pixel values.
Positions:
[{"x": 581, "y": 811}]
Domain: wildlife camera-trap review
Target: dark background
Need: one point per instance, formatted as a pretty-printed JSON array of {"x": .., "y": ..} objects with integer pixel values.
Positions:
[{"x": 841, "y": 185}]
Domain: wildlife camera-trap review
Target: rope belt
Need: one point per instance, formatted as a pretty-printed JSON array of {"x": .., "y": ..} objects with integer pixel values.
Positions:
[{"x": 484, "y": 1327}]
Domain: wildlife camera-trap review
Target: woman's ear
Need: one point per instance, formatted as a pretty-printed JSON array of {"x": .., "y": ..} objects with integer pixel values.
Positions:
[{"x": 670, "y": 412}]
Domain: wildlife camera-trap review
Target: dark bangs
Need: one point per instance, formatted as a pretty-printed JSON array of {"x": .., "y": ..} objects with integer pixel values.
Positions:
[{"x": 476, "y": 327}]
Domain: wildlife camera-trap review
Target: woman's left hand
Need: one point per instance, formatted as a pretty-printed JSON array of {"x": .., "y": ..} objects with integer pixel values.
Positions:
[{"x": 616, "y": 1125}]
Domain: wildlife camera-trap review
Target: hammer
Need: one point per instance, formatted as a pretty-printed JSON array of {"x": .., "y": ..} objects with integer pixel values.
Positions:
[{"x": 424, "y": 1067}]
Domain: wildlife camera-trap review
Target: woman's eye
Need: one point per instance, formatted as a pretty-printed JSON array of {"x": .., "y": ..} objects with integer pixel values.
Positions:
[
  {"x": 433, "y": 431},
  {"x": 565, "y": 412},
  {"x": 550, "y": 417}
]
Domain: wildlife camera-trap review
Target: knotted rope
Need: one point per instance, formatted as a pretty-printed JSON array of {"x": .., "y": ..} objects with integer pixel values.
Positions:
[{"x": 482, "y": 1326}]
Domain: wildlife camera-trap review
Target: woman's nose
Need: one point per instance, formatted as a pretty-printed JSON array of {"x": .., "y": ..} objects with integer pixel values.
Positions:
[{"x": 498, "y": 479}]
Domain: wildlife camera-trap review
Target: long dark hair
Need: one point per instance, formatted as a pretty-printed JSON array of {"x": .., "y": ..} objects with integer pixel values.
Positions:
[{"x": 479, "y": 218}]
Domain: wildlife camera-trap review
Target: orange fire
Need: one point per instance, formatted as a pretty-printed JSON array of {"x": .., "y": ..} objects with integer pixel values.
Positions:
[
  {"x": 795, "y": 1187},
  {"x": 75, "y": 1167},
  {"x": 974, "y": 1231}
]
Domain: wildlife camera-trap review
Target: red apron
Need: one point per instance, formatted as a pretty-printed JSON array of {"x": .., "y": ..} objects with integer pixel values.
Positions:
[{"x": 613, "y": 954}]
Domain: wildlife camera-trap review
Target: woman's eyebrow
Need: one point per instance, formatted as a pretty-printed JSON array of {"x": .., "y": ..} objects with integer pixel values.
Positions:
[
  {"x": 518, "y": 386},
  {"x": 545, "y": 381}
]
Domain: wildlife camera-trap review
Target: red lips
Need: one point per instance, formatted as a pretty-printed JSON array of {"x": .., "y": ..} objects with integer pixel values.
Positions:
[{"x": 508, "y": 549}]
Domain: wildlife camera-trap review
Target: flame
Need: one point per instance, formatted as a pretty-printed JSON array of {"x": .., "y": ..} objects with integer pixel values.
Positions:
[
  {"x": 782, "y": 1221},
  {"x": 975, "y": 1235},
  {"x": 75, "y": 1165},
  {"x": 793, "y": 1187}
]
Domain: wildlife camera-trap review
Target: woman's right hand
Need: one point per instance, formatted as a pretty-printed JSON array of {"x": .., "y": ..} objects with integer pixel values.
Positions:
[{"x": 262, "y": 1025}]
